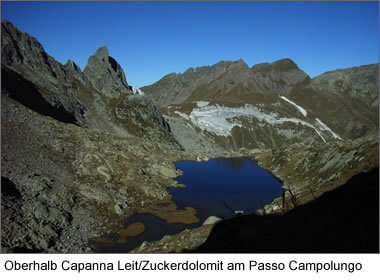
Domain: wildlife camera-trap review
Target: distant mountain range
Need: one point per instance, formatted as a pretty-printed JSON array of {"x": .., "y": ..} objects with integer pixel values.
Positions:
[{"x": 270, "y": 104}]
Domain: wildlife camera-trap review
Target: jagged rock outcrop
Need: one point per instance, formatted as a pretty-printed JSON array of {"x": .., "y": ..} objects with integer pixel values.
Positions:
[
  {"x": 105, "y": 74},
  {"x": 114, "y": 107},
  {"x": 74, "y": 70},
  {"x": 24, "y": 61}
]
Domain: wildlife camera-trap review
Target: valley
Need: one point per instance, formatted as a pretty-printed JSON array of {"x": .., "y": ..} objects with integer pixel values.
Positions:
[{"x": 83, "y": 151}]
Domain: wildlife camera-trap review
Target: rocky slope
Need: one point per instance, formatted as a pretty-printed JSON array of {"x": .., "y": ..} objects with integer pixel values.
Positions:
[
  {"x": 345, "y": 99},
  {"x": 269, "y": 105},
  {"x": 78, "y": 153},
  {"x": 227, "y": 82},
  {"x": 73, "y": 183},
  {"x": 307, "y": 171}
]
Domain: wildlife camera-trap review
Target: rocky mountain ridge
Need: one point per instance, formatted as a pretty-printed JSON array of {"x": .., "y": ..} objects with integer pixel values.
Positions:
[
  {"x": 227, "y": 82},
  {"x": 281, "y": 104}
]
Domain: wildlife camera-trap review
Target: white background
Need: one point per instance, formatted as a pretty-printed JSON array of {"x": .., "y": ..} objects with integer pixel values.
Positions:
[{"x": 370, "y": 264}]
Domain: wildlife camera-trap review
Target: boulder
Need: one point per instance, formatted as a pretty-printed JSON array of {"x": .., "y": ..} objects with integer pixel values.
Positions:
[{"x": 211, "y": 220}]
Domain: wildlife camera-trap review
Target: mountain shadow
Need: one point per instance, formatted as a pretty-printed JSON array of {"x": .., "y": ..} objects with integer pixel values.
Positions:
[
  {"x": 344, "y": 220},
  {"x": 25, "y": 92}
]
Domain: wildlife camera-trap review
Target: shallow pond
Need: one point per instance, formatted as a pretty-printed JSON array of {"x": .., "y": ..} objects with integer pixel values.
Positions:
[{"x": 217, "y": 187}]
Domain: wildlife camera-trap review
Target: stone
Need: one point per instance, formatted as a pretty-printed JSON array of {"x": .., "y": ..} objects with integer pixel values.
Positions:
[
  {"x": 211, "y": 220},
  {"x": 165, "y": 171},
  {"x": 143, "y": 245},
  {"x": 166, "y": 237}
]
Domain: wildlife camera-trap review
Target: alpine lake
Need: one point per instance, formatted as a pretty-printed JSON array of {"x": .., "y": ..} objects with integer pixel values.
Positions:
[{"x": 221, "y": 187}]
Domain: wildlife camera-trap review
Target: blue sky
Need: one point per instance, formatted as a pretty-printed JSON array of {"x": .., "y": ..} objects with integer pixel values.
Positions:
[{"x": 152, "y": 39}]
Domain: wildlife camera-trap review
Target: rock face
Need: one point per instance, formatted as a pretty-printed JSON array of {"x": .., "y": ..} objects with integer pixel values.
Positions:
[
  {"x": 73, "y": 70},
  {"x": 27, "y": 67},
  {"x": 105, "y": 74}
]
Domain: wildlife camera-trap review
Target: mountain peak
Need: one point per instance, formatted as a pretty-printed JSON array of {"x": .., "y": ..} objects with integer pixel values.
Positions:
[
  {"x": 285, "y": 64},
  {"x": 9, "y": 26},
  {"x": 241, "y": 64},
  {"x": 72, "y": 65},
  {"x": 102, "y": 52},
  {"x": 105, "y": 73}
]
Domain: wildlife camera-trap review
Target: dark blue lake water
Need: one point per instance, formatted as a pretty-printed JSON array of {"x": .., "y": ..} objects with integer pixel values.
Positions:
[
  {"x": 215, "y": 188},
  {"x": 220, "y": 185}
]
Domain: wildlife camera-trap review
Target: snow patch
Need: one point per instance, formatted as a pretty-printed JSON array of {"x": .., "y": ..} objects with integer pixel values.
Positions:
[
  {"x": 183, "y": 115},
  {"x": 219, "y": 119},
  {"x": 298, "y": 121},
  {"x": 302, "y": 110},
  {"x": 202, "y": 104},
  {"x": 136, "y": 90},
  {"x": 324, "y": 127},
  {"x": 319, "y": 135}
]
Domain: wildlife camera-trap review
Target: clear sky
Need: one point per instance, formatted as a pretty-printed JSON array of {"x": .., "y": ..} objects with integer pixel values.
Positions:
[{"x": 152, "y": 39}]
